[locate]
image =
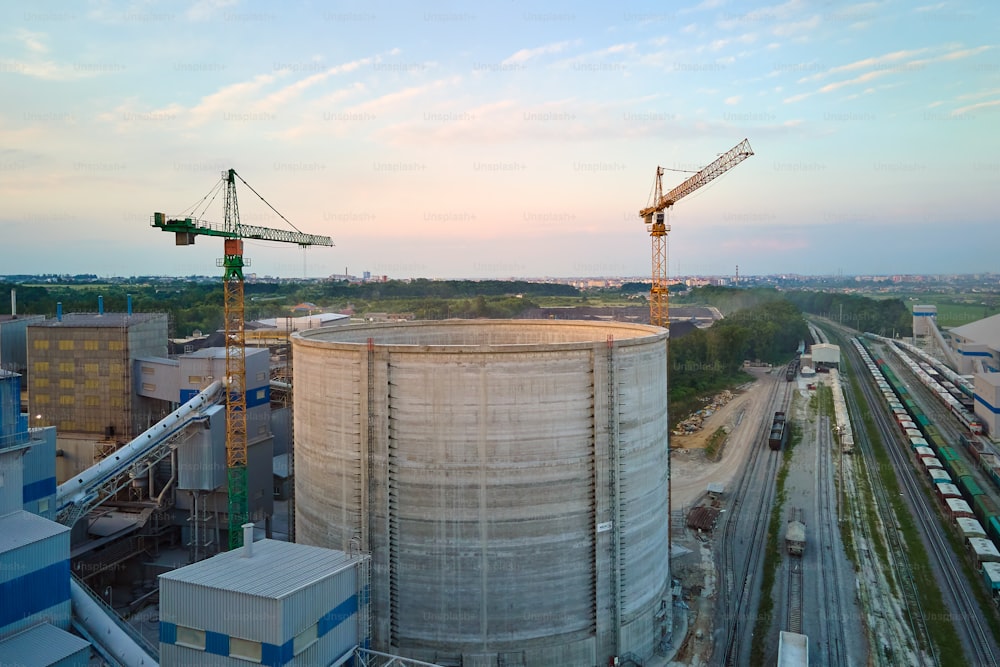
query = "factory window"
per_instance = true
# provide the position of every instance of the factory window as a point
(261, 394)
(305, 639)
(41, 383)
(146, 386)
(114, 368)
(65, 345)
(115, 384)
(41, 344)
(43, 505)
(190, 637)
(91, 383)
(66, 367)
(40, 398)
(91, 401)
(67, 400)
(262, 429)
(116, 345)
(244, 648)
(41, 367)
(90, 369)
(91, 345)
(261, 376)
(67, 383)
(194, 379)
(148, 370)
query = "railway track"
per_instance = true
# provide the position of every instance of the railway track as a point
(973, 629)
(916, 623)
(830, 577)
(744, 535)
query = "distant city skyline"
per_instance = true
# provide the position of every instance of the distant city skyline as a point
(514, 140)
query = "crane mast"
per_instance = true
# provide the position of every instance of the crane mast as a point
(655, 219)
(233, 262)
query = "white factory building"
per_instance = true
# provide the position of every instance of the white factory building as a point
(974, 349)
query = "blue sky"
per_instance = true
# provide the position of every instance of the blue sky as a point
(510, 139)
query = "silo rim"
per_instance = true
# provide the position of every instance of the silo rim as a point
(353, 336)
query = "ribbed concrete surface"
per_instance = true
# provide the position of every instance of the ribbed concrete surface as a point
(489, 450)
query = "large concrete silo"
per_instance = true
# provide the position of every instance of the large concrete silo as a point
(510, 479)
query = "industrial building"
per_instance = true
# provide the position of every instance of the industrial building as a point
(924, 320)
(978, 345)
(509, 478)
(35, 607)
(268, 602)
(824, 356)
(13, 341)
(80, 369)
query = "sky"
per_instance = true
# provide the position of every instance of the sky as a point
(506, 139)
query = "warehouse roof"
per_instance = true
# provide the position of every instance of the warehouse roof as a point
(41, 644)
(20, 528)
(984, 332)
(275, 570)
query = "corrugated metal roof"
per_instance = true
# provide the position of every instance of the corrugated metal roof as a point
(275, 570)
(20, 528)
(958, 505)
(41, 645)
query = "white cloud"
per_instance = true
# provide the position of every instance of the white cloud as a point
(203, 10)
(973, 107)
(33, 41)
(735, 99)
(524, 55)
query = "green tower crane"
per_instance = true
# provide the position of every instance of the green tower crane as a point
(186, 230)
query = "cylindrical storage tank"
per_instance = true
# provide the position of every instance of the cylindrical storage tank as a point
(510, 479)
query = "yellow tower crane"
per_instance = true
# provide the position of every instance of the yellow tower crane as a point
(233, 233)
(653, 216)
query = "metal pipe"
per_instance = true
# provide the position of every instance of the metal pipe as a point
(13, 304)
(170, 482)
(59, 311)
(80, 488)
(100, 305)
(106, 632)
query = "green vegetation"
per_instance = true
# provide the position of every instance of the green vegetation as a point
(886, 317)
(713, 450)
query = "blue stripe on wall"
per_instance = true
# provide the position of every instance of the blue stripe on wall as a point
(34, 592)
(982, 401)
(39, 489)
(975, 354)
(272, 655)
(168, 632)
(217, 643)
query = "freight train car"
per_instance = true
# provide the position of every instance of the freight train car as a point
(779, 432)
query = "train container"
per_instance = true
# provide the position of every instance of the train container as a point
(947, 454)
(793, 649)
(983, 550)
(906, 424)
(920, 441)
(939, 476)
(991, 576)
(985, 508)
(795, 538)
(993, 528)
(948, 490)
(923, 420)
(957, 469)
(913, 433)
(959, 508)
(779, 432)
(899, 411)
(993, 470)
(923, 450)
(977, 455)
(970, 487)
(970, 527)
(931, 462)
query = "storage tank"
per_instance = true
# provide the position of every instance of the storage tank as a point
(510, 479)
